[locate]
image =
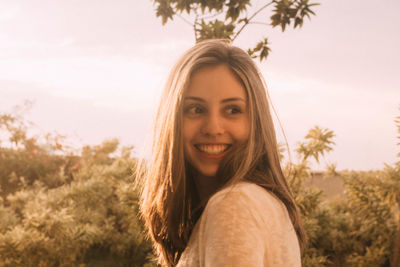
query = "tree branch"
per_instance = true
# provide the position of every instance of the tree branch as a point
(252, 16)
(260, 23)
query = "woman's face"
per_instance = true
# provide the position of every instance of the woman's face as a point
(215, 117)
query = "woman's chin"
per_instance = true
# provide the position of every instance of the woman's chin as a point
(208, 172)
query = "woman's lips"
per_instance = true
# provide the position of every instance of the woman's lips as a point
(212, 151)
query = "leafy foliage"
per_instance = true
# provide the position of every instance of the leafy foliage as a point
(261, 50)
(25, 160)
(361, 229)
(86, 216)
(227, 19)
(287, 12)
(318, 142)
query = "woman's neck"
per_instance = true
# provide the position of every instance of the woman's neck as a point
(206, 186)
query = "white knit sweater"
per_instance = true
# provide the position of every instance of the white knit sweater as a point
(243, 225)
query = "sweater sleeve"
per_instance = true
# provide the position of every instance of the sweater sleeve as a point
(233, 232)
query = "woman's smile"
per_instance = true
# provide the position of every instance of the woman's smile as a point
(213, 151)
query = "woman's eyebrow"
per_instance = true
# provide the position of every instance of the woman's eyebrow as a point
(233, 99)
(222, 101)
(195, 98)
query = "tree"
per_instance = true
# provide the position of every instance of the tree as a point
(25, 158)
(318, 142)
(228, 18)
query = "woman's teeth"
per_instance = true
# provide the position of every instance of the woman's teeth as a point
(212, 149)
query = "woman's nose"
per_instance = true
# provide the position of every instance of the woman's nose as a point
(213, 125)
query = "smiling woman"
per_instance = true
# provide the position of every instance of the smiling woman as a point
(214, 193)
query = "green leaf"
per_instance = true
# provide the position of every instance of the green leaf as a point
(214, 29)
(298, 22)
(165, 11)
(261, 50)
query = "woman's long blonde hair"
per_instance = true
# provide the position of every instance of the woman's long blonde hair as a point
(169, 197)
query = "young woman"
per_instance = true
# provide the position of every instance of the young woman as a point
(213, 192)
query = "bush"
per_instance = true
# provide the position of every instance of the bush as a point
(358, 229)
(68, 210)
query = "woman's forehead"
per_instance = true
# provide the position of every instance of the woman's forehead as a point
(215, 82)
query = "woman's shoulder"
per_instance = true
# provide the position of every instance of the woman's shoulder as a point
(252, 202)
(247, 218)
(246, 194)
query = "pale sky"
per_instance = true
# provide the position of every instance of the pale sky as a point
(95, 69)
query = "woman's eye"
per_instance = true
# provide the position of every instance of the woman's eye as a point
(234, 110)
(194, 110)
